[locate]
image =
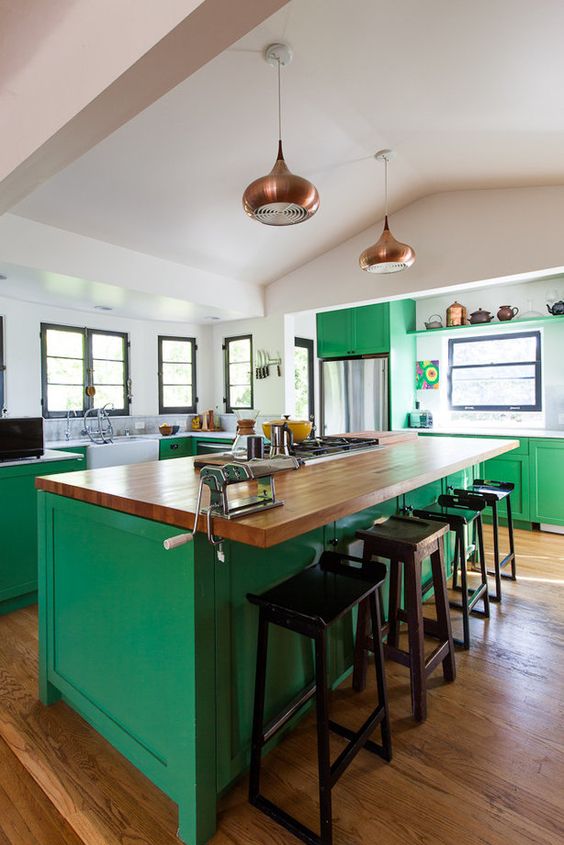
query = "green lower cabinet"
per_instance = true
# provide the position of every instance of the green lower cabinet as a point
(18, 530)
(175, 447)
(513, 468)
(547, 481)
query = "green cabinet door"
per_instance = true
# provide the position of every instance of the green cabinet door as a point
(335, 333)
(371, 329)
(18, 529)
(175, 447)
(513, 468)
(546, 474)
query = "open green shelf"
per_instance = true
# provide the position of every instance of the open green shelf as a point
(497, 324)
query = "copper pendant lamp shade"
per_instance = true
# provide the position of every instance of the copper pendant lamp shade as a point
(387, 255)
(280, 198)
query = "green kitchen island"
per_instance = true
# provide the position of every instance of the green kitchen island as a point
(155, 648)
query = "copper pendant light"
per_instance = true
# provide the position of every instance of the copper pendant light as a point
(280, 198)
(387, 255)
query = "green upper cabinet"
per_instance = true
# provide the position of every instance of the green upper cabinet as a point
(354, 331)
(547, 480)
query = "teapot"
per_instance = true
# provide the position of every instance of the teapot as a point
(506, 312)
(481, 316)
(556, 308)
(434, 322)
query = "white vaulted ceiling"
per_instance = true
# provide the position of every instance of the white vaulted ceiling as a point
(468, 94)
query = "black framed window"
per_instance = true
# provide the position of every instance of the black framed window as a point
(303, 377)
(74, 359)
(2, 367)
(177, 375)
(495, 373)
(238, 372)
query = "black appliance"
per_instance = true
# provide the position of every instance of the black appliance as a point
(21, 437)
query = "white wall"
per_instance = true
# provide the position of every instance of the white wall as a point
(268, 334)
(460, 237)
(532, 295)
(23, 354)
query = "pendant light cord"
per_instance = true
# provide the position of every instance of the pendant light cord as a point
(386, 188)
(279, 103)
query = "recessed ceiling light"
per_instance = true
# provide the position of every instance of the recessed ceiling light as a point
(209, 317)
(103, 308)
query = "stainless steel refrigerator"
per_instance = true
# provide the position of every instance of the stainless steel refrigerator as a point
(354, 395)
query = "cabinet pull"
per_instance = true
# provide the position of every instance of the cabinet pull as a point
(174, 446)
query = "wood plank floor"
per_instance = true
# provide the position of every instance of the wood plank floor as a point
(487, 768)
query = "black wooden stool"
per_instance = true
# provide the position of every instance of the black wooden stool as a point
(308, 604)
(492, 493)
(461, 509)
(407, 540)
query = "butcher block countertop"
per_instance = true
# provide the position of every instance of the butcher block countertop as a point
(314, 495)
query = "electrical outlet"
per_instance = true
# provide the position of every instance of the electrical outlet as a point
(139, 426)
(560, 419)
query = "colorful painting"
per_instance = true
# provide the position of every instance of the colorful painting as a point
(427, 375)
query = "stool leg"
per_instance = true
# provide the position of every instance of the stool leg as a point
(258, 713)
(381, 676)
(394, 603)
(511, 538)
(323, 752)
(497, 569)
(360, 654)
(454, 560)
(464, 588)
(413, 600)
(483, 567)
(442, 609)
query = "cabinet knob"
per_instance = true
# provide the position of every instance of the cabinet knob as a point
(174, 445)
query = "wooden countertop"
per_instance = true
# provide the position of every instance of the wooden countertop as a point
(314, 495)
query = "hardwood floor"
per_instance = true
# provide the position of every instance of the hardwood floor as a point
(486, 768)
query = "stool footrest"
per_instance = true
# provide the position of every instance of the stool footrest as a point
(286, 820)
(358, 739)
(282, 718)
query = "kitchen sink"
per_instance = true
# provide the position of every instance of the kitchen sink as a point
(124, 450)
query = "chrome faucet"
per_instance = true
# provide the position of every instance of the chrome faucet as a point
(104, 431)
(68, 427)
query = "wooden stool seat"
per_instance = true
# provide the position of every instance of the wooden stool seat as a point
(492, 493)
(308, 603)
(408, 541)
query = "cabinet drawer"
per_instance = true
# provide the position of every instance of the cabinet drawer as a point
(175, 447)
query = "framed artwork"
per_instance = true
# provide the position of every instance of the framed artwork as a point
(427, 375)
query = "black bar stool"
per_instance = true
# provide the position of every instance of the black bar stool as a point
(308, 604)
(493, 492)
(408, 541)
(460, 510)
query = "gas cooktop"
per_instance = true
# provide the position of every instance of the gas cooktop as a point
(325, 447)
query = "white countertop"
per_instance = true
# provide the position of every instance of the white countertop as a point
(46, 457)
(496, 432)
(85, 441)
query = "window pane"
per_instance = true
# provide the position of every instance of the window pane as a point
(511, 386)
(240, 350)
(177, 373)
(107, 346)
(177, 396)
(108, 372)
(69, 344)
(64, 398)
(240, 397)
(500, 351)
(301, 381)
(177, 350)
(65, 371)
(239, 374)
(105, 393)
